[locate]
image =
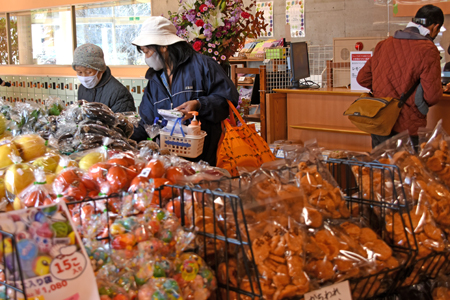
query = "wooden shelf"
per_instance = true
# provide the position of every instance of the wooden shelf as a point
(328, 128)
(245, 60)
(253, 118)
(245, 84)
(322, 91)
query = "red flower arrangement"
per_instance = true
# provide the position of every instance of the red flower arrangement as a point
(217, 28)
(197, 46)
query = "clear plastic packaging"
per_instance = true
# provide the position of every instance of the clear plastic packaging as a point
(435, 153)
(96, 111)
(7, 149)
(332, 256)
(150, 144)
(54, 106)
(418, 182)
(71, 184)
(24, 116)
(321, 192)
(30, 146)
(441, 288)
(126, 122)
(160, 288)
(17, 177)
(280, 257)
(194, 277)
(36, 194)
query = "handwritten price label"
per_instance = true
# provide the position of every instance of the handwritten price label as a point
(280, 154)
(338, 291)
(145, 172)
(68, 267)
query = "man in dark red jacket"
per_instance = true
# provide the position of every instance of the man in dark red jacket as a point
(399, 62)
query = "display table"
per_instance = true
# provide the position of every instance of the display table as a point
(318, 114)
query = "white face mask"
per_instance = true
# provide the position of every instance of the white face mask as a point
(154, 62)
(89, 82)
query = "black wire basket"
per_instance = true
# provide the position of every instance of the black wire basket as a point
(11, 283)
(416, 269)
(224, 242)
(380, 284)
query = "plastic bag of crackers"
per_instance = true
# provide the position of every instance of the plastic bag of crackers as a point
(271, 195)
(441, 288)
(418, 182)
(321, 192)
(347, 250)
(280, 258)
(435, 153)
(423, 235)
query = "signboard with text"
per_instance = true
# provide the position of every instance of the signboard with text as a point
(357, 61)
(53, 259)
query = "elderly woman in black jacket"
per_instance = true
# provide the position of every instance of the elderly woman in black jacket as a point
(97, 82)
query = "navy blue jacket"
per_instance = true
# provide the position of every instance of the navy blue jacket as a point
(199, 77)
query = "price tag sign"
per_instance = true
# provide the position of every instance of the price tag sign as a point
(241, 79)
(145, 172)
(280, 154)
(357, 62)
(54, 261)
(68, 266)
(338, 291)
(266, 61)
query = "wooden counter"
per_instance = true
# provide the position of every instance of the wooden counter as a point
(318, 114)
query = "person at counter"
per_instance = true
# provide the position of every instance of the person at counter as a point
(399, 62)
(97, 82)
(182, 79)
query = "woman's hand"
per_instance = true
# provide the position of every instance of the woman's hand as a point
(186, 107)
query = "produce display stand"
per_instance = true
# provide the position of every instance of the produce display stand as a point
(221, 197)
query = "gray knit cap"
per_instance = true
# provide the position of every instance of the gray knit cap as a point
(89, 56)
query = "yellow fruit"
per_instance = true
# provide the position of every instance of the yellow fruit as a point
(30, 146)
(49, 178)
(2, 123)
(49, 163)
(5, 151)
(5, 135)
(2, 188)
(17, 204)
(91, 159)
(18, 177)
(71, 163)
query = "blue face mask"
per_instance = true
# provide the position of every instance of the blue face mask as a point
(89, 82)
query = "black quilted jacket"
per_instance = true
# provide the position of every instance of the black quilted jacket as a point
(110, 92)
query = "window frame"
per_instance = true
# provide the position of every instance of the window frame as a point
(73, 9)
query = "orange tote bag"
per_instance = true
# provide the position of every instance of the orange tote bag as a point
(241, 146)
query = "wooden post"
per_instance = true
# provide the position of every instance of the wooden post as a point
(262, 100)
(329, 74)
(233, 74)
